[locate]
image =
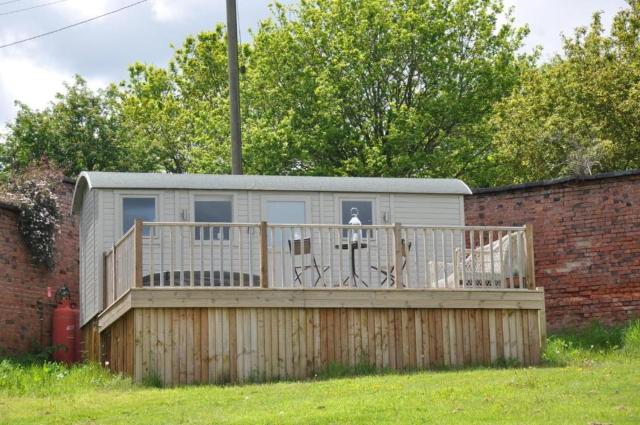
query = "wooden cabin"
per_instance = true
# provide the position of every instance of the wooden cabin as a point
(209, 278)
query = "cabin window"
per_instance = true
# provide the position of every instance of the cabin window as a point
(364, 210)
(213, 211)
(285, 212)
(138, 208)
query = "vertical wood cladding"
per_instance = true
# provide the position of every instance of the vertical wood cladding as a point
(219, 345)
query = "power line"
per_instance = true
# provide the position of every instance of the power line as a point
(44, 34)
(9, 2)
(37, 6)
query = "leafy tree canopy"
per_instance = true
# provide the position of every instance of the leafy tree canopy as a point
(435, 88)
(578, 114)
(78, 131)
(379, 88)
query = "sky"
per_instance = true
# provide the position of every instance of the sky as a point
(101, 50)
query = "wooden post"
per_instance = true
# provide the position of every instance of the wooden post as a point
(105, 302)
(137, 250)
(542, 323)
(531, 270)
(114, 280)
(264, 256)
(397, 254)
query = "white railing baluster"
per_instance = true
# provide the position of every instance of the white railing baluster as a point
(241, 256)
(519, 253)
(427, 271)
(152, 278)
(454, 269)
(162, 279)
(482, 268)
(435, 257)
(463, 260)
(472, 243)
(454, 258)
(232, 268)
(181, 256)
(201, 247)
(221, 249)
(172, 256)
(493, 269)
(510, 257)
(502, 264)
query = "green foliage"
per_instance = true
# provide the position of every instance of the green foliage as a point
(152, 380)
(177, 118)
(79, 131)
(47, 379)
(378, 88)
(631, 338)
(574, 346)
(337, 370)
(593, 388)
(578, 114)
(400, 88)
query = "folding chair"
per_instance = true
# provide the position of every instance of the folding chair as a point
(405, 248)
(303, 247)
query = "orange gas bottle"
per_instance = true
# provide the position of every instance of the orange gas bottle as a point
(64, 332)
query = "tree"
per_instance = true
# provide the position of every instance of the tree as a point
(379, 88)
(79, 131)
(177, 118)
(376, 87)
(578, 114)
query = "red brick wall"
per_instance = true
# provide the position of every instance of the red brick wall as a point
(22, 285)
(586, 243)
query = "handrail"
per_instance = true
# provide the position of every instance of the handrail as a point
(274, 255)
(341, 226)
(125, 236)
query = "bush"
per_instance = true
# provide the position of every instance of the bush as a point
(596, 341)
(33, 191)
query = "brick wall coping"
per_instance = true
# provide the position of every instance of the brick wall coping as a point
(8, 206)
(554, 182)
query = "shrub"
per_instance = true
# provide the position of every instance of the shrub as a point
(595, 341)
(39, 216)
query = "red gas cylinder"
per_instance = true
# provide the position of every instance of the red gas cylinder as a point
(65, 331)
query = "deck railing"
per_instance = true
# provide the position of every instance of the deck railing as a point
(266, 255)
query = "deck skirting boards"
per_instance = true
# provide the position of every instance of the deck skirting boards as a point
(296, 334)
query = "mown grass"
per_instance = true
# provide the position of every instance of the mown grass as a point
(590, 376)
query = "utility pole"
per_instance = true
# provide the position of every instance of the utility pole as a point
(234, 88)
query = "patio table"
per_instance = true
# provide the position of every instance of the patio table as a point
(354, 275)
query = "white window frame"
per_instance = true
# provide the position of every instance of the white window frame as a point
(285, 198)
(357, 198)
(120, 215)
(209, 196)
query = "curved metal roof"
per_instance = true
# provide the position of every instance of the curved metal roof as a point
(114, 180)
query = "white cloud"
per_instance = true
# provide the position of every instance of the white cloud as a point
(173, 11)
(81, 9)
(547, 19)
(32, 82)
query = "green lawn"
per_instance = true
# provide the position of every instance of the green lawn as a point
(590, 378)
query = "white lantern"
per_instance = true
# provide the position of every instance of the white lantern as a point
(355, 221)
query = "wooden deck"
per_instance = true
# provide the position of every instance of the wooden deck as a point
(186, 336)
(468, 298)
